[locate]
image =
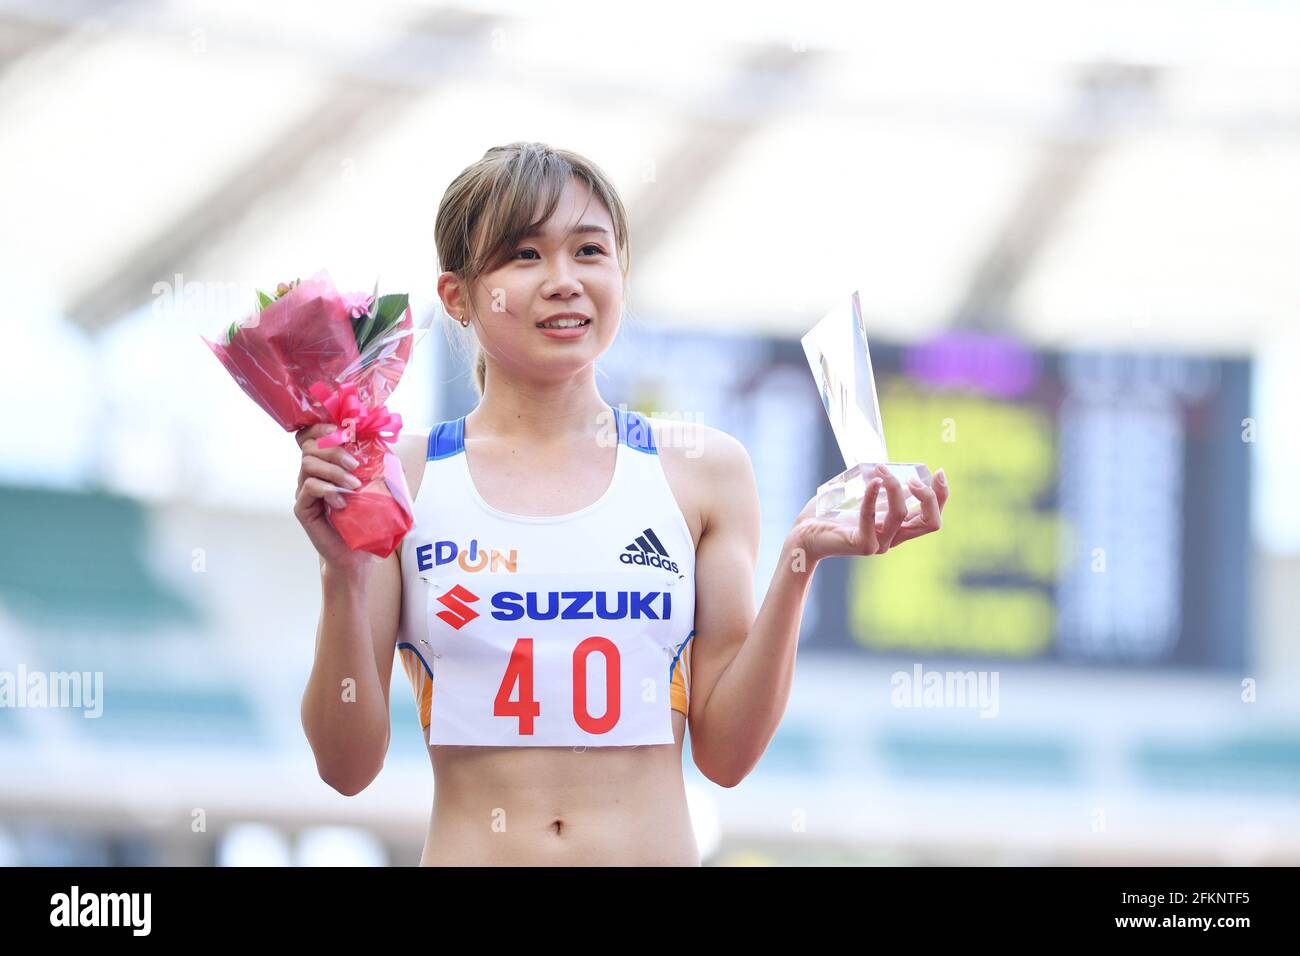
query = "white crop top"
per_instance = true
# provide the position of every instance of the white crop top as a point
(542, 631)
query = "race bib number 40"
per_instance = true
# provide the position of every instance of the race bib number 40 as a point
(546, 660)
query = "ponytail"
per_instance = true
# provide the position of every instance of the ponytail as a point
(480, 371)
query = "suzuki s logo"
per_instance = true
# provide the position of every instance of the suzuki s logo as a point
(458, 613)
(471, 559)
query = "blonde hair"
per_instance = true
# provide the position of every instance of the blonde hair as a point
(489, 206)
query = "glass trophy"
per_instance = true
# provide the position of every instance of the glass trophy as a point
(837, 354)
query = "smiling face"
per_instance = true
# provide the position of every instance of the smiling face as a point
(570, 264)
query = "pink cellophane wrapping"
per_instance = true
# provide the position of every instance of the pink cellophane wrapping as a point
(305, 338)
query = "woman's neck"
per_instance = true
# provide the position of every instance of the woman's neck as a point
(539, 413)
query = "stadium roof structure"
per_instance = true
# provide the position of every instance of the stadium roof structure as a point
(1094, 173)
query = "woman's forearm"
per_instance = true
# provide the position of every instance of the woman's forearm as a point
(344, 713)
(749, 699)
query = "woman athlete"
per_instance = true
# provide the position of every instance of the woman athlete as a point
(525, 234)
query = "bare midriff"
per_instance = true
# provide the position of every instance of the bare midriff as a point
(546, 806)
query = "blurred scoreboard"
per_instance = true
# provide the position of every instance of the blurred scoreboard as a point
(1100, 508)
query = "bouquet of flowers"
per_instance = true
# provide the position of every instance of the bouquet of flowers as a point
(308, 355)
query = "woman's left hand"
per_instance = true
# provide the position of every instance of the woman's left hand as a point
(827, 536)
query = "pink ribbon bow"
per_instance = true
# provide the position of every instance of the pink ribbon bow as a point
(355, 423)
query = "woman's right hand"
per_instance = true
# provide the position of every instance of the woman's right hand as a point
(323, 482)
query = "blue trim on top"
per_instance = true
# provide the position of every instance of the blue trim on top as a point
(446, 439)
(412, 647)
(634, 431)
(673, 666)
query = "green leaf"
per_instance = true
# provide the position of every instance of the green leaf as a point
(390, 309)
(362, 328)
(362, 325)
(263, 300)
(388, 312)
(230, 332)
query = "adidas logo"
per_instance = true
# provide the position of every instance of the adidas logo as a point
(647, 549)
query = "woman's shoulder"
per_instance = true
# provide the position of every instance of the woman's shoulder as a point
(411, 449)
(700, 462)
(701, 449)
